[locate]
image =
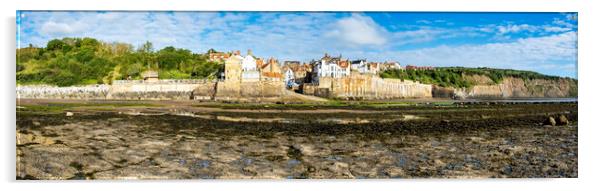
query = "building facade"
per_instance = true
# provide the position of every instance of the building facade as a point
(328, 66)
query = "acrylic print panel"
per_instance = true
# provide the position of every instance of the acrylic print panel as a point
(281, 95)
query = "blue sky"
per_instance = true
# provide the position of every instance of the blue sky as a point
(542, 42)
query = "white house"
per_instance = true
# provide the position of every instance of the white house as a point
(331, 67)
(289, 78)
(289, 75)
(249, 63)
(250, 71)
(359, 65)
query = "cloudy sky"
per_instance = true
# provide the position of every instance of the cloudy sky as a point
(542, 42)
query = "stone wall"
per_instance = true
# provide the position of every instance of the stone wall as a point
(123, 90)
(249, 91)
(366, 87)
(54, 92)
(160, 90)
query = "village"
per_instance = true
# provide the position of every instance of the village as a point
(296, 73)
(329, 76)
(252, 79)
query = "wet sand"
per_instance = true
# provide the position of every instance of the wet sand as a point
(183, 140)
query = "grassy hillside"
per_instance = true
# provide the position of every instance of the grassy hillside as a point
(457, 76)
(79, 61)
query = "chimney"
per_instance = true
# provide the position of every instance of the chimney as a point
(237, 52)
(249, 52)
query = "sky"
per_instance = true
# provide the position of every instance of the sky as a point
(541, 42)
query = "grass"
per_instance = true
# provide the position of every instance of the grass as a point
(53, 108)
(333, 104)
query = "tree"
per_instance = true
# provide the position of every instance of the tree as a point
(55, 44)
(211, 50)
(147, 50)
(74, 61)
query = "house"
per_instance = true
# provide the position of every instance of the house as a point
(289, 75)
(328, 66)
(302, 72)
(250, 72)
(390, 66)
(373, 68)
(364, 67)
(291, 62)
(259, 63)
(233, 67)
(271, 71)
(218, 56)
(358, 65)
(298, 70)
(249, 63)
(150, 76)
(410, 67)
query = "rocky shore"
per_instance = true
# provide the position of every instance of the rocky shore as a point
(126, 141)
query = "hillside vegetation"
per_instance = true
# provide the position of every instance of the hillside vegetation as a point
(459, 77)
(80, 61)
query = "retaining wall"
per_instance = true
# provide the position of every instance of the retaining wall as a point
(159, 90)
(53, 92)
(366, 87)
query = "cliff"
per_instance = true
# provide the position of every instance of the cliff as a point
(511, 87)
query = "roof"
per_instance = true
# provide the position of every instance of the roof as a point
(272, 74)
(343, 63)
(358, 61)
(328, 58)
(150, 74)
(259, 62)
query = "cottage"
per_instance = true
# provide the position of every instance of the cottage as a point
(233, 67)
(289, 75)
(291, 62)
(390, 66)
(250, 71)
(364, 67)
(150, 76)
(271, 71)
(249, 63)
(218, 56)
(373, 68)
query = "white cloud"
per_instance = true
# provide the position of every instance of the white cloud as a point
(179, 29)
(516, 28)
(303, 36)
(551, 53)
(555, 29)
(54, 28)
(359, 30)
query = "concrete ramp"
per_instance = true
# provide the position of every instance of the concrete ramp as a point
(306, 98)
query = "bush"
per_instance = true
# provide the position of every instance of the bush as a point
(75, 61)
(454, 76)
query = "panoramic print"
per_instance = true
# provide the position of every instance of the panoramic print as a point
(295, 95)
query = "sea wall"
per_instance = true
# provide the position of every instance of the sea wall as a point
(249, 90)
(367, 87)
(159, 90)
(54, 92)
(356, 87)
(120, 89)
